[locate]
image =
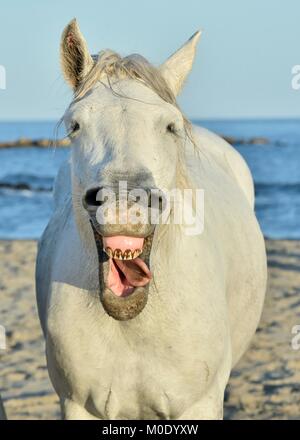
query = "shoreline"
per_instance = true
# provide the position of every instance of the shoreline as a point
(264, 385)
(65, 142)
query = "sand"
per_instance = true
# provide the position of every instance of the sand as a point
(264, 385)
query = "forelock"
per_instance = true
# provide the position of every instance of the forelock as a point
(112, 66)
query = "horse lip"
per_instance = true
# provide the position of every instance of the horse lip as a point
(126, 307)
(127, 232)
(129, 235)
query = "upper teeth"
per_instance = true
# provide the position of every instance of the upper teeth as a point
(126, 255)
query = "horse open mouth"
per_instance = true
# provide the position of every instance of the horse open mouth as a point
(126, 269)
(124, 274)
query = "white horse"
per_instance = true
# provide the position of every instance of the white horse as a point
(145, 321)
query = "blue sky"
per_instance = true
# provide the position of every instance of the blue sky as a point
(243, 65)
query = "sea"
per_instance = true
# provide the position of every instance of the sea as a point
(27, 174)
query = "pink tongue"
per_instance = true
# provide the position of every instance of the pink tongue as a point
(123, 242)
(135, 271)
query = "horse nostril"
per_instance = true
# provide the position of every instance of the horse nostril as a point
(90, 198)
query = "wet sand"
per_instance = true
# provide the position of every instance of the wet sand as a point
(264, 385)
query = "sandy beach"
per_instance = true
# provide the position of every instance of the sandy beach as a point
(264, 385)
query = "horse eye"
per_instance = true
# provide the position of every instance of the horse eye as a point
(74, 127)
(171, 128)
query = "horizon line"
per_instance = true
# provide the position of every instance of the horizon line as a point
(196, 119)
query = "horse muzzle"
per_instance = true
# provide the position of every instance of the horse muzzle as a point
(124, 242)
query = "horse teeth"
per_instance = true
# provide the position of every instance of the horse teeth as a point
(136, 253)
(118, 254)
(127, 255)
(109, 252)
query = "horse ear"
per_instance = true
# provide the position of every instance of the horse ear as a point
(76, 60)
(176, 69)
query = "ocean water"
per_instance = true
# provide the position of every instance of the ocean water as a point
(27, 174)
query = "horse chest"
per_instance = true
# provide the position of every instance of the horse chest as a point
(123, 379)
(128, 387)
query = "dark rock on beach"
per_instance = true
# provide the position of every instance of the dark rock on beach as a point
(42, 143)
(45, 143)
